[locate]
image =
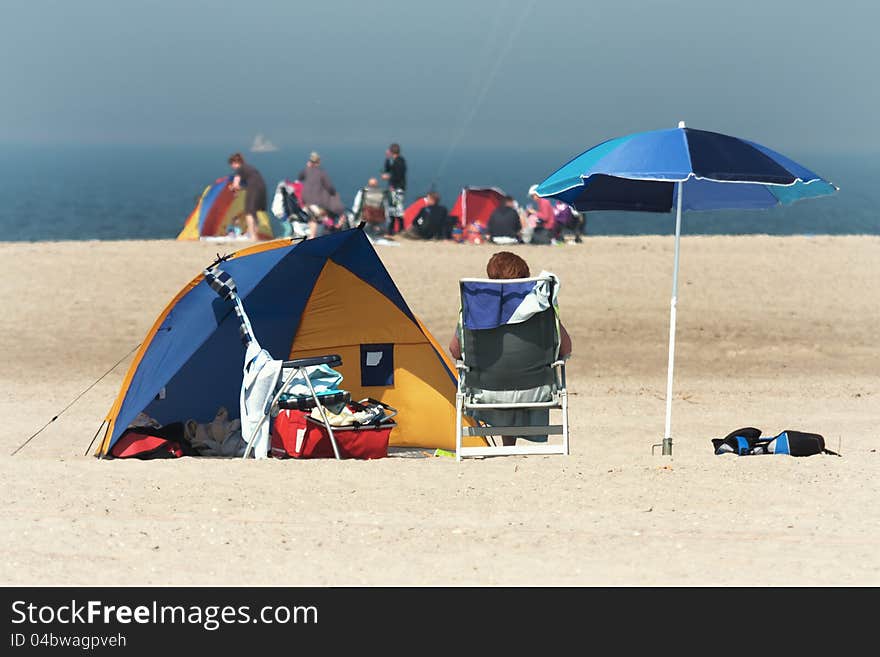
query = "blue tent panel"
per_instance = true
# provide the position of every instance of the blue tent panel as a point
(193, 320)
(211, 377)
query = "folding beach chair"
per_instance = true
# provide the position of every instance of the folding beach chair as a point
(509, 334)
(272, 385)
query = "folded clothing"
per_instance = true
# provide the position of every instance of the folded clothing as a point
(219, 437)
(348, 417)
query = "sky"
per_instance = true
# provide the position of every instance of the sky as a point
(487, 74)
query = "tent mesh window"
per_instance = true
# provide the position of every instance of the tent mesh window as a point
(377, 365)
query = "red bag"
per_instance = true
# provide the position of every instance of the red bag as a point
(295, 435)
(140, 443)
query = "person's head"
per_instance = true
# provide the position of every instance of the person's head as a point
(509, 201)
(394, 150)
(314, 159)
(432, 198)
(533, 192)
(372, 182)
(505, 264)
(236, 160)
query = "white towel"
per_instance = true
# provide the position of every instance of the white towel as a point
(538, 300)
(258, 387)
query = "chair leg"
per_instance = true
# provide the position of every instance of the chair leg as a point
(459, 404)
(323, 414)
(565, 423)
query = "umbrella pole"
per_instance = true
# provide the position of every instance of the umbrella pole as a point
(667, 436)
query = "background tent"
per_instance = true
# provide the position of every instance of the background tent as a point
(475, 204)
(412, 211)
(217, 209)
(327, 295)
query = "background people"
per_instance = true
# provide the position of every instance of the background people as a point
(432, 221)
(370, 205)
(545, 222)
(394, 172)
(248, 177)
(318, 193)
(505, 225)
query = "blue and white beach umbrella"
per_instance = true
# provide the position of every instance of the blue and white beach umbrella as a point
(685, 169)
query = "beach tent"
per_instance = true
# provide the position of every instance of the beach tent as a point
(216, 211)
(330, 295)
(475, 204)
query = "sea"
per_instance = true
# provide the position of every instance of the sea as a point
(113, 192)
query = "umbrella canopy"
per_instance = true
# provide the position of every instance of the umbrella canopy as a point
(640, 172)
(686, 169)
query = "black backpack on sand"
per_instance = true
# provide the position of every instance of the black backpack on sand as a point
(748, 441)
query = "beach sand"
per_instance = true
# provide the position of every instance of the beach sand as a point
(777, 333)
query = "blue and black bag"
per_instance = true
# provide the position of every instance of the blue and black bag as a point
(748, 441)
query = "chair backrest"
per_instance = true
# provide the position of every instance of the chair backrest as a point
(374, 197)
(292, 208)
(373, 205)
(504, 355)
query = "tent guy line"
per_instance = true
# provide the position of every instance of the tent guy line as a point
(76, 399)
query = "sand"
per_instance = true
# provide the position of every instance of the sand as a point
(773, 332)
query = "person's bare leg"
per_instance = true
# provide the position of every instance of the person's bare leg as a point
(313, 229)
(251, 233)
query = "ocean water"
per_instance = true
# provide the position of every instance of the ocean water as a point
(146, 192)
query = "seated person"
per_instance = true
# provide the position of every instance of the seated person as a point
(566, 220)
(504, 223)
(318, 221)
(432, 220)
(544, 219)
(286, 208)
(370, 206)
(507, 265)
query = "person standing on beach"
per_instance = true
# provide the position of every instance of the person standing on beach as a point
(395, 174)
(248, 177)
(318, 193)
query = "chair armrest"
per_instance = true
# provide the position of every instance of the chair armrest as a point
(331, 359)
(559, 367)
